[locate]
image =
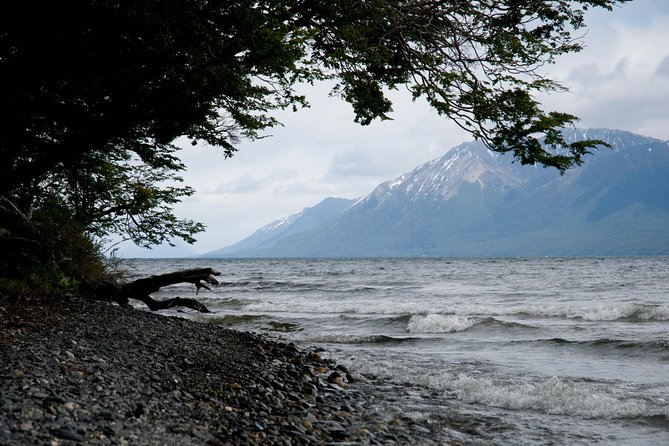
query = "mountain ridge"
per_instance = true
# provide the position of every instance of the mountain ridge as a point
(471, 201)
(297, 222)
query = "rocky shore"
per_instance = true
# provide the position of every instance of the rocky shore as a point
(79, 372)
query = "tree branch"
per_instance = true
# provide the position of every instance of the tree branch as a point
(155, 305)
(141, 289)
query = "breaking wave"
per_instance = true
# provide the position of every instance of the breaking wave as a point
(604, 313)
(448, 323)
(439, 323)
(559, 396)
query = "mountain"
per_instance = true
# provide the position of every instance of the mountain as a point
(298, 222)
(472, 202)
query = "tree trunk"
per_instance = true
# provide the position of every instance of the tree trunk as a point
(141, 289)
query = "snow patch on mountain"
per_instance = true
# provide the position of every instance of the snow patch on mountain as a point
(277, 224)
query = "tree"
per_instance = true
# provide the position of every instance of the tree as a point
(93, 94)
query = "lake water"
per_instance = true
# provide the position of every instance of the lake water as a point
(491, 351)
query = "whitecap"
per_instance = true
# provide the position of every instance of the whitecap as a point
(439, 323)
(557, 396)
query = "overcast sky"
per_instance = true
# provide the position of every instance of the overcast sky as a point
(620, 80)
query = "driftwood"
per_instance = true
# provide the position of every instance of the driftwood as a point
(141, 289)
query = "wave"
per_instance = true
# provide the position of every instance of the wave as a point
(617, 346)
(439, 323)
(230, 302)
(284, 327)
(468, 383)
(269, 285)
(445, 323)
(280, 286)
(632, 312)
(360, 339)
(230, 319)
(604, 313)
(559, 396)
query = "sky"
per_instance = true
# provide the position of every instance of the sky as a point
(619, 81)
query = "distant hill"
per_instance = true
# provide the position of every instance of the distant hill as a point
(298, 222)
(472, 202)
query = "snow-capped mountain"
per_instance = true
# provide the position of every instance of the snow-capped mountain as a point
(439, 180)
(475, 202)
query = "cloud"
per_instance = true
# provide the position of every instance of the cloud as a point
(243, 184)
(248, 183)
(360, 163)
(590, 75)
(663, 67)
(620, 80)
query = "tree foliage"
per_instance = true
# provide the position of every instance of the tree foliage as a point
(93, 94)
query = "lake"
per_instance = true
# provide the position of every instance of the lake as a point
(495, 350)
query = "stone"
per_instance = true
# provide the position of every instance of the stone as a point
(108, 431)
(35, 414)
(66, 434)
(70, 406)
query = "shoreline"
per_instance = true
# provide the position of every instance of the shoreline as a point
(79, 371)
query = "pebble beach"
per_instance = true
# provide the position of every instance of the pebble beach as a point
(74, 371)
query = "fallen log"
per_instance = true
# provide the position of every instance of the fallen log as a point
(141, 289)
